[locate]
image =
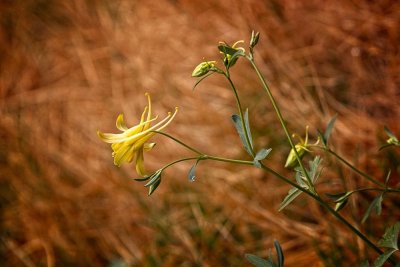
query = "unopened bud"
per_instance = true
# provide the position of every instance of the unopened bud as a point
(254, 38)
(291, 160)
(203, 68)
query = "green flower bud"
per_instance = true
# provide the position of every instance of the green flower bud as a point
(291, 160)
(203, 68)
(254, 38)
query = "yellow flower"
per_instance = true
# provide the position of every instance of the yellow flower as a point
(132, 142)
(301, 148)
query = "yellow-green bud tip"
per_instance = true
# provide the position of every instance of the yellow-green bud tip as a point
(203, 68)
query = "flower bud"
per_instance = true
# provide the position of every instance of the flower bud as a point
(254, 38)
(291, 160)
(203, 68)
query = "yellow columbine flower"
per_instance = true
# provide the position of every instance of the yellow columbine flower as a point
(132, 142)
(301, 148)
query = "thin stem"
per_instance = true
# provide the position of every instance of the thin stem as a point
(348, 164)
(179, 142)
(385, 190)
(314, 196)
(239, 106)
(235, 161)
(326, 206)
(179, 160)
(280, 117)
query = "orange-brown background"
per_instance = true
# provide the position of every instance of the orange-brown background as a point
(68, 68)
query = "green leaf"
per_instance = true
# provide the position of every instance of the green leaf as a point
(154, 186)
(389, 239)
(239, 128)
(328, 130)
(227, 50)
(315, 172)
(340, 205)
(192, 172)
(257, 261)
(376, 205)
(279, 253)
(383, 257)
(301, 180)
(234, 58)
(292, 195)
(247, 123)
(340, 196)
(142, 179)
(262, 154)
(389, 133)
(154, 178)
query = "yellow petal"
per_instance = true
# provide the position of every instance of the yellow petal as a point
(140, 163)
(148, 146)
(117, 138)
(149, 105)
(120, 123)
(123, 154)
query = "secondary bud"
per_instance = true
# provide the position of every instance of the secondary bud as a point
(203, 68)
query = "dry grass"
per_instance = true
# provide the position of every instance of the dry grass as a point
(68, 68)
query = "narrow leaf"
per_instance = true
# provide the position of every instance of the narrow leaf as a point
(340, 196)
(227, 50)
(329, 128)
(262, 154)
(389, 133)
(340, 205)
(389, 239)
(142, 179)
(247, 123)
(383, 257)
(154, 186)
(257, 261)
(153, 178)
(279, 253)
(239, 128)
(192, 172)
(292, 194)
(376, 205)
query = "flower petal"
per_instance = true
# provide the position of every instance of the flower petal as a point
(148, 146)
(123, 154)
(120, 123)
(140, 162)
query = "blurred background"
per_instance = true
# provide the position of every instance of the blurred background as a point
(68, 68)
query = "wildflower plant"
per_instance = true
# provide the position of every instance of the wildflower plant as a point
(132, 142)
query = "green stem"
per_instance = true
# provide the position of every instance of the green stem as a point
(385, 190)
(239, 106)
(180, 142)
(280, 117)
(235, 161)
(348, 164)
(177, 161)
(326, 206)
(314, 196)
